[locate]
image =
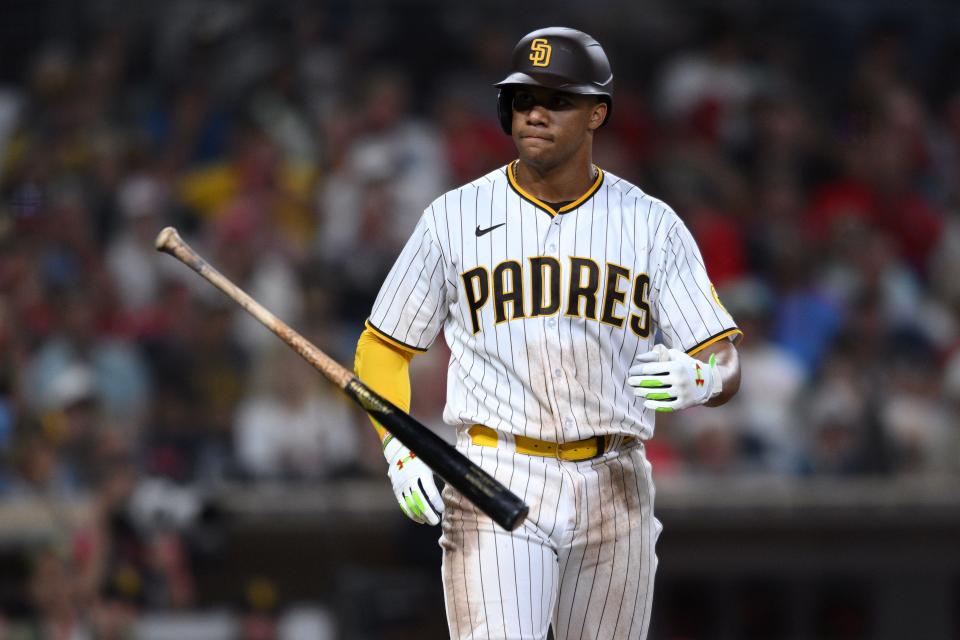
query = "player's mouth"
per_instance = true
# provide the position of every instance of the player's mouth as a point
(533, 136)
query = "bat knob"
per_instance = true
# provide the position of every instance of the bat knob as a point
(166, 238)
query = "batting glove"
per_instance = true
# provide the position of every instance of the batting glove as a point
(412, 483)
(670, 380)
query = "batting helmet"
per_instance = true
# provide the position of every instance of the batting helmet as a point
(556, 58)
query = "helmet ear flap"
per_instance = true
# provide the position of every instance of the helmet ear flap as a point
(505, 109)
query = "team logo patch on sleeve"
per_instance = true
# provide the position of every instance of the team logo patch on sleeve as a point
(540, 51)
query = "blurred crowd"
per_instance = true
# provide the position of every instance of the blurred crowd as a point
(295, 146)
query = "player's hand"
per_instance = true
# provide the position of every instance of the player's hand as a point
(413, 484)
(670, 380)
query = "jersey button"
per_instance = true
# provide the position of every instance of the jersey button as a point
(557, 372)
(552, 322)
(552, 247)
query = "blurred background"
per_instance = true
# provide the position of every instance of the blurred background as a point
(169, 469)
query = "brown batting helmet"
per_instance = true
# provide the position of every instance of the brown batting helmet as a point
(556, 58)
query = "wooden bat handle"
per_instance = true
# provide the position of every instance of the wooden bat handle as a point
(169, 241)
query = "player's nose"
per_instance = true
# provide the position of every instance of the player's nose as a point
(538, 115)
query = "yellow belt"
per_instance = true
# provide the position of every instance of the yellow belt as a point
(577, 450)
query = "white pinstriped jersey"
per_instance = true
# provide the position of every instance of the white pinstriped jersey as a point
(544, 312)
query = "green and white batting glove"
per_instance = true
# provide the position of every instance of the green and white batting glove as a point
(412, 483)
(670, 380)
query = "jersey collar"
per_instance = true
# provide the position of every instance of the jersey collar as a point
(511, 177)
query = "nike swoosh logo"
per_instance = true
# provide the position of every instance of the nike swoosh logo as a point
(481, 232)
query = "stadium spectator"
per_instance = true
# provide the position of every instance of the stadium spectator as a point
(293, 425)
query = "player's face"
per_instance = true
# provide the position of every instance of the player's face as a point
(550, 126)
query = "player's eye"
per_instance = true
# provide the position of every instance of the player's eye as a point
(523, 101)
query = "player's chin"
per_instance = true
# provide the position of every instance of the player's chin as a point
(536, 150)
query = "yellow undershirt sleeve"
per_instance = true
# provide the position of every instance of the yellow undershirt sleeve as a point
(385, 368)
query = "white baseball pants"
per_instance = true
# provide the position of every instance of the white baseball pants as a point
(583, 561)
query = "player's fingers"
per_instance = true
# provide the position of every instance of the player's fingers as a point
(660, 406)
(405, 504)
(427, 513)
(419, 506)
(654, 396)
(402, 501)
(648, 382)
(649, 369)
(415, 513)
(431, 517)
(650, 388)
(434, 502)
(657, 396)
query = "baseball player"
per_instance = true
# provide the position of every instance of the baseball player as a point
(576, 307)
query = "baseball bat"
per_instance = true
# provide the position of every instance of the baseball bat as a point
(491, 497)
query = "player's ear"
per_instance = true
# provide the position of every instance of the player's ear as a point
(597, 115)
